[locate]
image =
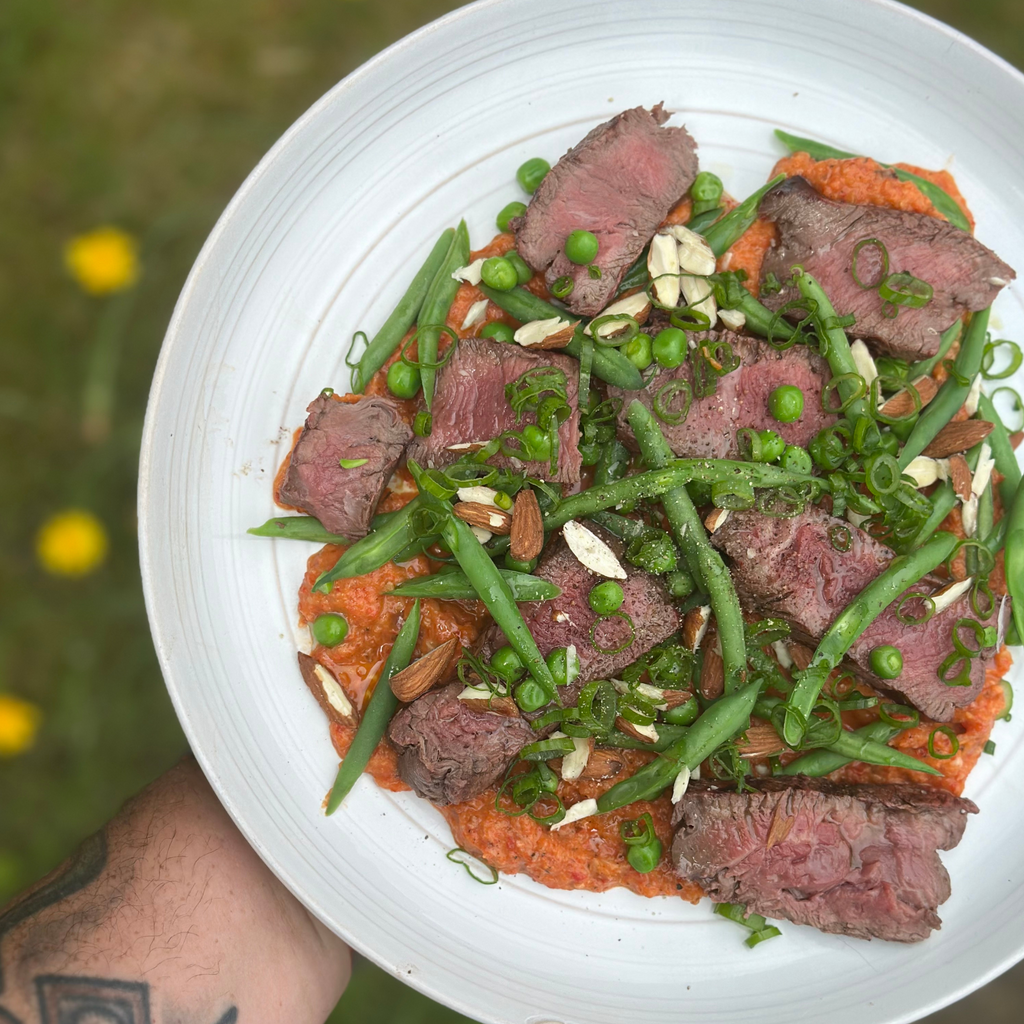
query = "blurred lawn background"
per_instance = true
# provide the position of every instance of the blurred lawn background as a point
(148, 115)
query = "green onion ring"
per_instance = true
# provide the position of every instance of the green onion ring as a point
(880, 246)
(621, 647)
(888, 712)
(665, 395)
(954, 743)
(988, 358)
(907, 618)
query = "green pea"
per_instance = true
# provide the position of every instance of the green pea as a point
(706, 187)
(581, 247)
(530, 695)
(329, 629)
(532, 173)
(516, 566)
(772, 446)
(679, 584)
(606, 597)
(796, 459)
(498, 331)
(513, 209)
(498, 273)
(507, 664)
(786, 403)
(403, 380)
(644, 858)
(523, 269)
(537, 443)
(670, 347)
(638, 351)
(684, 714)
(886, 661)
(558, 664)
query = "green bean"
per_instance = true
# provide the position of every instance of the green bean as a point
(495, 593)
(404, 316)
(902, 572)
(395, 537)
(667, 735)
(724, 233)
(1002, 451)
(620, 526)
(939, 197)
(868, 744)
(952, 394)
(1014, 557)
(724, 719)
(700, 222)
(925, 367)
(704, 561)
(455, 586)
(297, 528)
(636, 276)
(434, 311)
(609, 365)
(731, 294)
(943, 500)
(378, 712)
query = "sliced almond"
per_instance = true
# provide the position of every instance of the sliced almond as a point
(578, 811)
(663, 266)
(695, 255)
(712, 674)
(676, 698)
(426, 673)
(467, 446)
(481, 533)
(734, 319)
(638, 306)
(504, 706)
(574, 763)
(527, 533)
(471, 274)
(695, 625)
(973, 396)
(950, 594)
(760, 740)
(487, 517)
(591, 551)
(716, 519)
(481, 495)
(923, 471)
(328, 691)
(960, 476)
(642, 733)
(969, 515)
(958, 437)
(983, 472)
(545, 334)
(682, 783)
(902, 403)
(863, 361)
(800, 654)
(475, 314)
(700, 296)
(603, 763)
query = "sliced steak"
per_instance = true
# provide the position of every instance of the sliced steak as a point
(569, 619)
(820, 234)
(856, 860)
(741, 400)
(619, 182)
(470, 405)
(449, 752)
(344, 500)
(790, 568)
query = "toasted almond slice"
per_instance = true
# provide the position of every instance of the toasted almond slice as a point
(578, 811)
(695, 625)
(782, 654)
(545, 334)
(695, 255)
(983, 472)
(592, 552)
(958, 437)
(800, 653)
(638, 306)
(479, 495)
(475, 693)
(487, 517)
(642, 733)
(950, 594)
(328, 691)
(470, 274)
(425, 673)
(574, 763)
(527, 533)
(481, 533)
(467, 446)
(734, 319)
(663, 266)
(700, 296)
(603, 763)
(676, 698)
(681, 784)
(923, 471)
(475, 314)
(973, 396)
(969, 515)
(960, 476)
(504, 706)
(712, 674)
(760, 740)
(863, 361)
(902, 403)
(716, 518)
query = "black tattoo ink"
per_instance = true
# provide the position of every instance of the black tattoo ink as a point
(85, 866)
(8, 1018)
(64, 1000)
(231, 1017)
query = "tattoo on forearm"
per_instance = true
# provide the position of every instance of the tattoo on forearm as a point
(85, 866)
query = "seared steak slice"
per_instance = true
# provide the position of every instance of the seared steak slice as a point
(856, 860)
(344, 500)
(470, 405)
(449, 752)
(569, 619)
(619, 183)
(741, 400)
(820, 234)
(790, 568)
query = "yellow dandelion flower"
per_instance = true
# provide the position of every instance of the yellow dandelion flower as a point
(71, 543)
(103, 261)
(19, 723)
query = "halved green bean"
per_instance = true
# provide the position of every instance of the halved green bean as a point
(435, 308)
(1002, 451)
(724, 719)
(609, 365)
(868, 744)
(939, 197)
(704, 561)
(940, 410)
(943, 501)
(521, 304)
(902, 572)
(725, 232)
(1014, 557)
(297, 528)
(455, 586)
(404, 316)
(378, 712)
(925, 367)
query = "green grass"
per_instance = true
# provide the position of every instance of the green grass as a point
(146, 114)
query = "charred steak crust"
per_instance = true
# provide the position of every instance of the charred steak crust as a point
(820, 235)
(620, 183)
(741, 399)
(344, 500)
(447, 751)
(789, 567)
(857, 860)
(470, 406)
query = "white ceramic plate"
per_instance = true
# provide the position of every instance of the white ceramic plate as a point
(320, 241)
